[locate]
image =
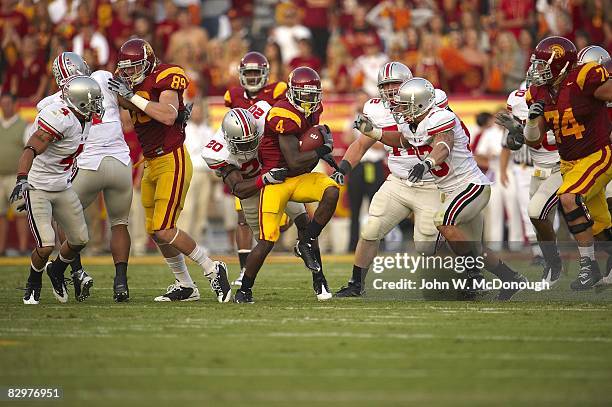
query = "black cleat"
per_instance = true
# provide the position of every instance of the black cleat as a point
(588, 276)
(506, 294)
(321, 289)
(220, 283)
(179, 292)
(82, 284)
(32, 293)
(121, 292)
(60, 291)
(351, 290)
(305, 252)
(552, 274)
(474, 285)
(244, 296)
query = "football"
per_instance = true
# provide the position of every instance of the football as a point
(312, 138)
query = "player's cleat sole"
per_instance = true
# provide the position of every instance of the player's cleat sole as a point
(588, 275)
(32, 294)
(505, 294)
(58, 284)
(304, 251)
(178, 292)
(244, 297)
(350, 290)
(219, 284)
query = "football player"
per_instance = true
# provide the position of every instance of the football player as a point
(254, 71)
(44, 175)
(153, 92)
(443, 146)
(545, 180)
(288, 119)
(570, 100)
(397, 198)
(104, 166)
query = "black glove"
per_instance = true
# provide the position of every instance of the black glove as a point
(275, 176)
(18, 193)
(418, 171)
(118, 85)
(536, 110)
(184, 115)
(328, 142)
(515, 138)
(338, 177)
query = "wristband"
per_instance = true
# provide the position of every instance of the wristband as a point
(139, 102)
(431, 161)
(31, 148)
(22, 176)
(259, 182)
(345, 167)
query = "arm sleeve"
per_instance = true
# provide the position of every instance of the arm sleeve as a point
(440, 121)
(591, 76)
(51, 120)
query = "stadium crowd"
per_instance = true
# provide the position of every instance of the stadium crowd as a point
(470, 47)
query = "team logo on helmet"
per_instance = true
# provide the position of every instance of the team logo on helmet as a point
(557, 50)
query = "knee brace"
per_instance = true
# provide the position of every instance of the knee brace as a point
(579, 212)
(371, 230)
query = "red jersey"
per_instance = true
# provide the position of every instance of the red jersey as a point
(156, 138)
(580, 121)
(236, 96)
(283, 120)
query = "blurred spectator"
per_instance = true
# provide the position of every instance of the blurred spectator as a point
(27, 78)
(317, 20)
(212, 11)
(288, 30)
(597, 18)
(305, 57)
(357, 32)
(465, 62)
(121, 26)
(194, 218)
(89, 39)
(12, 134)
(429, 65)
(214, 74)
(143, 28)
(514, 15)
(365, 68)
(274, 56)
(338, 78)
(189, 39)
(507, 69)
(555, 16)
(165, 28)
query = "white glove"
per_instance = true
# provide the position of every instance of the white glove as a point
(364, 124)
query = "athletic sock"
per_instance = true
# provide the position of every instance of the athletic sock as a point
(35, 275)
(536, 250)
(179, 268)
(313, 230)
(550, 252)
(247, 283)
(121, 268)
(242, 256)
(587, 251)
(75, 264)
(357, 275)
(503, 272)
(199, 256)
(60, 264)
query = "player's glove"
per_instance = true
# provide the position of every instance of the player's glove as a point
(536, 110)
(515, 138)
(184, 115)
(118, 85)
(338, 177)
(365, 125)
(18, 193)
(328, 142)
(418, 171)
(275, 176)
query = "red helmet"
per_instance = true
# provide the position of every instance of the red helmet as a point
(304, 90)
(552, 57)
(254, 71)
(136, 60)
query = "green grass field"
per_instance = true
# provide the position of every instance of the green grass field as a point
(289, 349)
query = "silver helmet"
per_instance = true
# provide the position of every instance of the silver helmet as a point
(593, 53)
(84, 95)
(414, 98)
(240, 131)
(391, 72)
(68, 64)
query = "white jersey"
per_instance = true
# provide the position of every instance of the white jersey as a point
(459, 168)
(217, 155)
(53, 169)
(545, 155)
(106, 135)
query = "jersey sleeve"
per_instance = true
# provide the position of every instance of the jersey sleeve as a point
(283, 121)
(56, 97)
(279, 90)
(259, 111)
(215, 152)
(375, 110)
(517, 105)
(441, 99)
(52, 120)
(591, 76)
(440, 121)
(171, 78)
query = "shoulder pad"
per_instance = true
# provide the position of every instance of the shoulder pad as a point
(52, 119)
(171, 78)
(439, 121)
(283, 120)
(592, 74)
(279, 90)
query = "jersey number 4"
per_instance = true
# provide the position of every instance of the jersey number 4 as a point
(564, 124)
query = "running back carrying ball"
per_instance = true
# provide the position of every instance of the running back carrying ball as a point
(312, 138)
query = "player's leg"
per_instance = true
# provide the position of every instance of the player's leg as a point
(118, 200)
(523, 176)
(542, 208)
(68, 213)
(40, 221)
(172, 174)
(244, 240)
(582, 182)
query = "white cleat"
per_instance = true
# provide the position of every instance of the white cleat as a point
(321, 289)
(219, 283)
(179, 292)
(238, 281)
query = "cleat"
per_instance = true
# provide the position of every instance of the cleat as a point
(475, 280)
(82, 284)
(506, 294)
(238, 281)
(551, 275)
(321, 289)
(244, 297)
(588, 276)
(121, 292)
(607, 276)
(32, 294)
(351, 290)
(58, 284)
(304, 251)
(179, 292)
(220, 283)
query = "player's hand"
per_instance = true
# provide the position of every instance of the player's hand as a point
(18, 193)
(365, 125)
(515, 138)
(275, 176)
(418, 170)
(536, 110)
(184, 115)
(328, 142)
(338, 177)
(118, 85)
